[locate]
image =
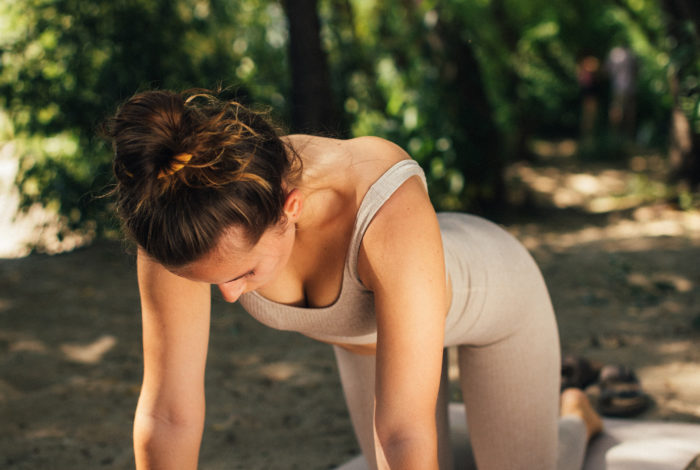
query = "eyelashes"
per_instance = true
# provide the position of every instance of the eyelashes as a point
(242, 276)
(247, 275)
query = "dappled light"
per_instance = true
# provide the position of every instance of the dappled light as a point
(280, 371)
(599, 190)
(30, 345)
(660, 281)
(515, 109)
(38, 227)
(676, 224)
(676, 382)
(620, 260)
(629, 198)
(90, 353)
(564, 148)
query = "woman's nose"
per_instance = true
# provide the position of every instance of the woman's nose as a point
(232, 292)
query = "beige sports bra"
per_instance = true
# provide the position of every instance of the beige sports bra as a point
(351, 318)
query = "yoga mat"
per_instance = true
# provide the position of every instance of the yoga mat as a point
(625, 444)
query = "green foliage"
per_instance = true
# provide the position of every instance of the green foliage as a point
(66, 64)
(460, 84)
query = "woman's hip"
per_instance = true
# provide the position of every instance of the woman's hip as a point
(497, 286)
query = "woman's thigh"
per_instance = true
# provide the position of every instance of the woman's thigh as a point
(511, 393)
(508, 348)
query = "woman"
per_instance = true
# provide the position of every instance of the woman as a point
(337, 240)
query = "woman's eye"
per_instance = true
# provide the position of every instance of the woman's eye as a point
(242, 276)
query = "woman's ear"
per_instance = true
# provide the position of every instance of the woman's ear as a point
(293, 205)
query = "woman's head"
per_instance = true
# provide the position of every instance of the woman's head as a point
(188, 166)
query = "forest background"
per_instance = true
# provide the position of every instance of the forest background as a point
(464, 86)
(510, 107)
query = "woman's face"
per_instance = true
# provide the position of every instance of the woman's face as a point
(236, 267)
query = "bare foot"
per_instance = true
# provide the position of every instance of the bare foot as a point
(574, 402)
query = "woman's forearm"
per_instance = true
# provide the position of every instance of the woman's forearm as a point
(159, 444)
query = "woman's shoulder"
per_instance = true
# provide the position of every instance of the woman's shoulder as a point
(379, 148)
(363, 147)
(351, 165)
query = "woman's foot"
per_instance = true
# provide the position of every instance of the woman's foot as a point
(574, 402)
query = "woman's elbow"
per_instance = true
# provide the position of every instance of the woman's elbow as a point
(164, 443)
(149, 424)
(409, 447)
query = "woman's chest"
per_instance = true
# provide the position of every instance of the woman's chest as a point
(314, 274)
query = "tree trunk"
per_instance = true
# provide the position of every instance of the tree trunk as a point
(684, 142)
(522, 123)
(313, 106)
(684, 145)
(481, 153)
(463, 101)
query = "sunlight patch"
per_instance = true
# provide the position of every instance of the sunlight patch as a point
(90, 353)
(30, 345)
(279, 371)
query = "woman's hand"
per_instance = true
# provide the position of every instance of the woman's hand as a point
(170, 413)
(401, 261)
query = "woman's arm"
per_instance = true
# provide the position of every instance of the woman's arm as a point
(401, 260)
(170, 413)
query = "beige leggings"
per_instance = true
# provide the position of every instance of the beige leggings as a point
(509, 364)
(500, 442)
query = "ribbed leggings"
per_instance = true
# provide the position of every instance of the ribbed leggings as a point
(500, 442)
(509, 364)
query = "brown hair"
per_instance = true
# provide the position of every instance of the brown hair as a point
(189, 165)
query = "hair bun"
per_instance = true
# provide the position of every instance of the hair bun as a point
(189, 166)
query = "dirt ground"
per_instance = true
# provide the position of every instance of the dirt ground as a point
(623, 273)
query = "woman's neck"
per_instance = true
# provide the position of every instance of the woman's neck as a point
(325, 180)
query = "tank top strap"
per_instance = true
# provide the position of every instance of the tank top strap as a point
(380, 191)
